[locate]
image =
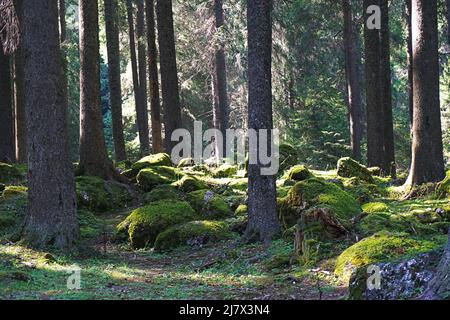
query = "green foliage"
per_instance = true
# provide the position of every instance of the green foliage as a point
(8, 173)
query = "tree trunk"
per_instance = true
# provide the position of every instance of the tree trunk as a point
(141, 114)
(51, 218)
(6, 110)
(115, 98)
(448, 22)
(169, 75)
(386, 92)
(263, 221)
(375, 127)
(353, 84)
(93, 156)
(427, 149)
(21, 127)
(157, 142)
(142, 67)
(439, 287)
(221, 112)
(410, 62)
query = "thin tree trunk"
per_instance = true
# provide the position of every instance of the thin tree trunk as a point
(263, 221)
(157, 142)
(448, 21)
(140, 112)
(410, 62)
(427, 149)
(93, 156)
(142, 67)
(115, 99)
(63, 39)
(386, 92)
(21, 127)
(375, 127)
(6, 110)
(169, 74)
(51, 218)
(353, 84)
(221, 114)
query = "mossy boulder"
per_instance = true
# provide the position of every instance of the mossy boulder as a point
(225, 171)
(349, 168)
(299, 173)
(186, 162)
(362, 191)
(242, 210)
(189, 184)
(96, 194)
(163, 192)
(375, 171)
(149, 178)
(154, 160)
(209, 205)
(373, 207)
(9, 173)
(443, 189)
(194, 233)
(14, 191)
(382, 247)
(317, 194)
(143, 225)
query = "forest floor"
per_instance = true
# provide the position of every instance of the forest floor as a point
(227, 270)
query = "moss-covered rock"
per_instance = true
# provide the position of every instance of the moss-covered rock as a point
(154, 160)
(195, 233)
(375, 171)
(14, 191)
(8, 173)
(186, 162)
(189, 184)
(373, 207)
(317, 194)
(362, 191)
(443, 189)
(225, 171)
(144, 224)
(162, 192)
(209, 205)
(242, 210)
(381, 247)
(149, 178)
(299, 173)
(349, 168)
(98, 195)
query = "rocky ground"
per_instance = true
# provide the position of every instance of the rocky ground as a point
(176, 234)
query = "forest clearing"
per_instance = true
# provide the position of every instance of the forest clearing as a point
(227, 150)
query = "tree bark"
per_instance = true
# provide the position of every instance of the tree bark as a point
(51, 216)
(169, 74)
(448, 21)
(353, 84)
(221, 110)
(386, 92)
(142, 67)
(6, 110)
(410, 62)
(141, 114)
(93, 156)
(155, 103)
(427, 149)
(263, 221)
(375, 127)
(115, 98)
(21, 127)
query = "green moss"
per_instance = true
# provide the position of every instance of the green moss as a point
(96, 194)
(373, 207)
(14, 191)
(375, 171)
(240, 184)
(443, 189)
(314, 193)
(9, 173)
(208, 204)
(383, 246)
(349, 168)
(189, 184)
(149, 178)
(242, 210)
(299, 173)
(90, 225)
(144, 224)
(160, 159)
(195, 233)
(186, 162)
(362, 191)
(225, 171)
(162, 192)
